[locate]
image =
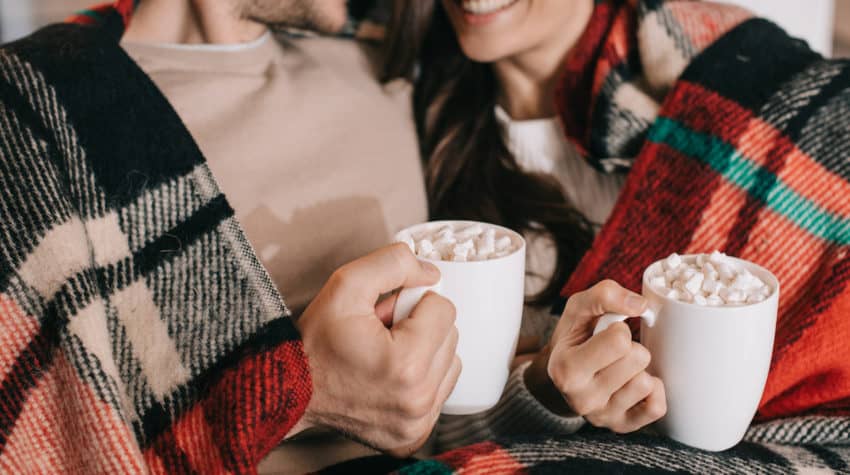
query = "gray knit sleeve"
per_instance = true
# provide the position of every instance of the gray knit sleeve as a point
(518, 412)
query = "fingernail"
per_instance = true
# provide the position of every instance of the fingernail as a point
(430, 268)
(635, 303)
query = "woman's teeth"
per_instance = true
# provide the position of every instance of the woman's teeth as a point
(483, 7)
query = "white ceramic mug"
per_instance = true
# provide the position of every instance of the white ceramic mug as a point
(713, 361)
(488, 296)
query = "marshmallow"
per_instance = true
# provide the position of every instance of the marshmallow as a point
(672, 262)
(474, 242)
(424, 247)
(658, 282)
(503, 243)
(694, 283)
(708, 280)
(716, 258)
(409, 241)
(470, 232)
(711, 285)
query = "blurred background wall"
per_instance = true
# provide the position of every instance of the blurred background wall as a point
(825, 24)
(813, 20)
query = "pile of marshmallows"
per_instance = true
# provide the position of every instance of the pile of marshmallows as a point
(711, 279)
(472, 242)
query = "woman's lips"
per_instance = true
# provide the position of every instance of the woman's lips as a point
(482, 11)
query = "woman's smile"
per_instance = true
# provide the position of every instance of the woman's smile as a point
(477, 12)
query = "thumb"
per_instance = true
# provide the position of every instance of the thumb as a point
(584, 308)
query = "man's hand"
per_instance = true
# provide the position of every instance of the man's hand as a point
(602, 377)
(382, 386)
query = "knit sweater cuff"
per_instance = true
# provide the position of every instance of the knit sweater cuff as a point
(517, 413)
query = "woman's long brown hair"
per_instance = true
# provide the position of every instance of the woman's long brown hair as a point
(470, 173)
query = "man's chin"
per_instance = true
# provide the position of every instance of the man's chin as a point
(333, 18)
(321, 16)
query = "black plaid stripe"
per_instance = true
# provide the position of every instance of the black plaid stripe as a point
(184, 258)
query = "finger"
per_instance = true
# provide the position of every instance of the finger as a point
(622, 372)
(650, 409)
(447, 385)
(630, 394)
(382, 271)
(604, 349)
(442, 360)
(385, 308)
(427, 327)
(605, 297)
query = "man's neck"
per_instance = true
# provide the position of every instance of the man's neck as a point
(191, 22)
(527, 81)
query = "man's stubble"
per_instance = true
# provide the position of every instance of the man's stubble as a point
(324, 16)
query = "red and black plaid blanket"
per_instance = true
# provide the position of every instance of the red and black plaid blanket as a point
(138, 332)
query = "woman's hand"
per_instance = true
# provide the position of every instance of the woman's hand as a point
(602, 378)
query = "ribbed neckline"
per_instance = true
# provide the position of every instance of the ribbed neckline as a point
(535, 143)
(245, 58)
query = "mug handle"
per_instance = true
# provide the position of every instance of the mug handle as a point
(609, 319)
(408, 298)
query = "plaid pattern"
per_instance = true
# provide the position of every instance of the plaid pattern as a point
(138, 331)
(740, 137)
(747, 153)
(637, 453)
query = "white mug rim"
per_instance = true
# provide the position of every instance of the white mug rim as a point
(511, 232)
(749, 265)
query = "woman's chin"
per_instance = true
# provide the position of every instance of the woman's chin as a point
(483, 52)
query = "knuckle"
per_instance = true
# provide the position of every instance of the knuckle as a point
(621, 339)
(644, 384)
(564, 376)
(584, 404)
(416, 405)
(656, 409)
(340, 276)
(401, 253)
(641, 355)
(568, 383)
(407, 433)
(408, 373)
(447, 308)
(607, 288)
(574, 299)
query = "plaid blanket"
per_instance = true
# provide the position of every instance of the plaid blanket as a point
(735, 137)
(138, 331)
(741, 136)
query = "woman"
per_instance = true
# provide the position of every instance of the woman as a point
(530, 114)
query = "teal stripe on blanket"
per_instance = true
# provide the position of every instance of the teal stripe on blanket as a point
(756, 180)
(430, 467)
(91, 14)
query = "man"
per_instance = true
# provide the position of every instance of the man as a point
(139, 330)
